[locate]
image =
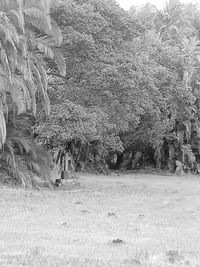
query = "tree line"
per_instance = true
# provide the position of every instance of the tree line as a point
(115, 88)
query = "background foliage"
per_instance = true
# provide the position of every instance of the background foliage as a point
(123, 85)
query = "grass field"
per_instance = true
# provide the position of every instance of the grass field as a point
(126, 220)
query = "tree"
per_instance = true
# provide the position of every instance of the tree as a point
(131, 86)
(146, 15)
(29, 39)
(27, 35)
(115, 76)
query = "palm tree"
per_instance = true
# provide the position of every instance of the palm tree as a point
(146, 15)
(27, 37)
(177, 21)
(22, 159)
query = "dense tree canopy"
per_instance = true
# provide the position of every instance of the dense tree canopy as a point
(123, 83)
(140, 71)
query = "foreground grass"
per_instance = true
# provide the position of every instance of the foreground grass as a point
(156, 220)
(36, 257)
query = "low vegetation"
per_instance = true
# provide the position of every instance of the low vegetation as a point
(117, 221)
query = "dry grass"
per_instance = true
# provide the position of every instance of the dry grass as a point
(156, 217)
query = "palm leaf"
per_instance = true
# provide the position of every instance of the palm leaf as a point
(3, 82)
(3, 4)
(5, 63)
(12, 56)
(34, 167)
(60, 62)
(56, 32)
(43, 5)
(31, 88)
(17, 18)
(38, 81)
(38, 19)
(23, 45)
(8, 154)
(190, 45)
(44, 76)
(17, 94)
(23, 143)
(2, 129)
(31, 85)
(27, 97)
(43, 45)
(8, 30)
(8, 159)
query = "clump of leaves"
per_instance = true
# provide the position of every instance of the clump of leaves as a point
(22, 158)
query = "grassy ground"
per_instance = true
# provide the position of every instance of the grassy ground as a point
(126, 220)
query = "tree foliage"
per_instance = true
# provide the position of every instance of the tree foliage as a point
(29, 38)
(123, 85)
(26, 38)
(137, 71)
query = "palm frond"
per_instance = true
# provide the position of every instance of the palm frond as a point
(43, 45)
(190, 45)
(37, 75)
(17, 94)
(3, 4)
(3, 82)
(12, 53)
(28, 87)
(5, 64)
(8, 154)
(38, 19)
(22, 143)
(34, 167)
(8, 30)
(43, 5)
(27, 96)
(23, 45)
(38, 81)
(60, 62)
(2, 129)
(3, 89)
(56, 32)
(44, 76)
(31, 88)
(22, 66)
(17, 18)
(8, 159)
